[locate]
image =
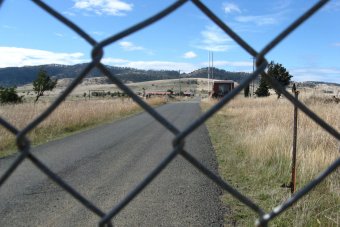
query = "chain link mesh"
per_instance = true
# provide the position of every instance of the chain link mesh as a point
(23, 143)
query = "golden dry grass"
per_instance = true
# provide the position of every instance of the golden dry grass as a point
(70, 116)
(253, 142)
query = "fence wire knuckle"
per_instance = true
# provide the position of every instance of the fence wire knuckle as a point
(97, 53)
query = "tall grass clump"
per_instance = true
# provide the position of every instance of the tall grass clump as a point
(69, 117)
(253, 143)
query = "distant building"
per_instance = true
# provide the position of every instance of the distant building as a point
(221, 87)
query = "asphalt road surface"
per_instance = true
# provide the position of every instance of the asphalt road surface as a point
(107, 162)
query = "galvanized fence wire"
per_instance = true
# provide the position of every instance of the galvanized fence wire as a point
(23, 143)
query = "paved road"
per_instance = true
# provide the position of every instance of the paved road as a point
(104, 164)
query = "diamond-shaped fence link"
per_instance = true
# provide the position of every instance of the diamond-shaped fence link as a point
(264, 218)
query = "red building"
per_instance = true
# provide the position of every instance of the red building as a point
(221, 87)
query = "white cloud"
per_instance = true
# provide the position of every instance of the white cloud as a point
(280, 4)
(232, 63)
(258, 20)
(242, 66)
(108, 7)
(67, 13)
(279, 11)
(231, 7)
(129, 46)
(190, 54)
(337, 44)
(114, 61)
(214, 35)
(98, 33)
(8, 26)
(14, 56)
(316, 74)
(59, 34)
(214, 39)
(332, 6)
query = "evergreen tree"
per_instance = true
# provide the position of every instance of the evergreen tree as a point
(280, 73)
(263, 89)
(246, 91)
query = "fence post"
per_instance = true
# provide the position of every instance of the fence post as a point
(293, 181)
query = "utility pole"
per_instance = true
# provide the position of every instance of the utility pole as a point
(189, 84)
(208, 72)
(212, 65)
(253, 72)
(293, 181)
(179, 80)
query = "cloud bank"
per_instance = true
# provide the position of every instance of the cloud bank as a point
(106, 7)
(14, 57)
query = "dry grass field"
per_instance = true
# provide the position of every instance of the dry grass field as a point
(69, 117)
(100, 83)
(253, 142)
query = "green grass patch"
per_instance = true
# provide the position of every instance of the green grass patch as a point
(260, 177)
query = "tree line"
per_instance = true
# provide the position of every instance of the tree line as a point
(276, 71)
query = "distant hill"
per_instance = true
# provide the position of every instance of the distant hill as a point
(219, 74)
(17, 76)
(315, 83)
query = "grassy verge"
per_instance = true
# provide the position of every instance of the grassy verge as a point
(69, 117)
(252, 139)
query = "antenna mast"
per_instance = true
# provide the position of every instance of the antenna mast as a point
(208, 72)
(212, 64)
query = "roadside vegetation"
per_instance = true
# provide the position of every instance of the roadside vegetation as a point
(9, 95)
(70, 116)
(253, 141)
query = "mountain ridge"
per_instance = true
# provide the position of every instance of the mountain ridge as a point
(17, 76)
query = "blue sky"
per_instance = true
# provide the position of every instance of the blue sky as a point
(181, 41)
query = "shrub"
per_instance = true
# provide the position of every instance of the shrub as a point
(9, 95)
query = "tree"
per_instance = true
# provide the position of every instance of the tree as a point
(9, 95)
(43, 83)
(280, 73)
(263, 89)
(246, 91)
(171, 91)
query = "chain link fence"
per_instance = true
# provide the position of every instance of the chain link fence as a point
(23, 143)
